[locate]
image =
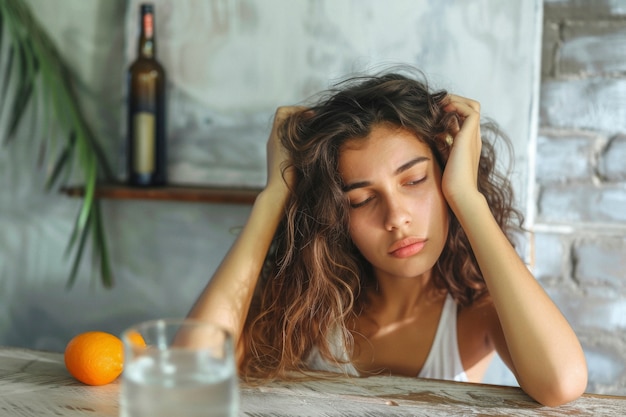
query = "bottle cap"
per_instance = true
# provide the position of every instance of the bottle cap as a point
(147, 8)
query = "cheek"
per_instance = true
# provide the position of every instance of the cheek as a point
(360, 233)
(432, 216)
(442, 217)
(355, 230)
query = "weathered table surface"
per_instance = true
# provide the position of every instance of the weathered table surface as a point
(35, 383)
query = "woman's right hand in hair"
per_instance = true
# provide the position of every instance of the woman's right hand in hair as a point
(228, 294)
(280, 175)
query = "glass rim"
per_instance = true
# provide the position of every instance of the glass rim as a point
(172, 322)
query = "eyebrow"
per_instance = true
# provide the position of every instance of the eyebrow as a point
(398, 171)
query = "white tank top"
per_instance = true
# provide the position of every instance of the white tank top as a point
(443, 361)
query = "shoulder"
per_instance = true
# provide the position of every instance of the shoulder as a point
(475, 330)
(477, 323)
(483, 305)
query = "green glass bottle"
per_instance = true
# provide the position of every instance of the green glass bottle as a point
(146, 140)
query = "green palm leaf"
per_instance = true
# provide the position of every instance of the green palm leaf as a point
(36, 75)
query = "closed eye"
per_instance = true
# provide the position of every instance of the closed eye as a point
(416, 182)
(365, 201)
(361, 203)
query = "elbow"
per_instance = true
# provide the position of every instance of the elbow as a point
(561, 394)
(561, 389)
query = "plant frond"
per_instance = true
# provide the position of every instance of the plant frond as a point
(79, 253)
(36, 72)
(99, 242)
(27, 70)
(62, 160)
(6, 80)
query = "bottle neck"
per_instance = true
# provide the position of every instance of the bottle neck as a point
(147, 44)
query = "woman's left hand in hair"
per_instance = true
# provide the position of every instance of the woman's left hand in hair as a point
(527, 329)
(460, 176)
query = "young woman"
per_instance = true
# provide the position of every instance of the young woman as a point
(382, 243)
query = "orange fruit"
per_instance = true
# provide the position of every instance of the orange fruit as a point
(94, 358)
(136, 339)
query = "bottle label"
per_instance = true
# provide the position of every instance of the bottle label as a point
(144, 143)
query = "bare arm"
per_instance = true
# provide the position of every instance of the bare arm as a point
(540, 347)
(226, 298)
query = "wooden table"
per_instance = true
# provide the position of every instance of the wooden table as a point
(35, 383)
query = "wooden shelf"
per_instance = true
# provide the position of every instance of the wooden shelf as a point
(183, 193)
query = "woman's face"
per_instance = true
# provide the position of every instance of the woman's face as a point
(398, 214)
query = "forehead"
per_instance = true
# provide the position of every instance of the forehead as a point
(385, 145)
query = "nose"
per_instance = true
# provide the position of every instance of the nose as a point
(397, 215)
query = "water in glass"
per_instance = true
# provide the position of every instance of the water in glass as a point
(178, 384)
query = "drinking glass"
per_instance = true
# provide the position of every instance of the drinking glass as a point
(178, 367)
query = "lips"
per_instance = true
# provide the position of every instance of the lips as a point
(406, 247)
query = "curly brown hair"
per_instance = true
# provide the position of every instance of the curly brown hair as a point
(314, 277)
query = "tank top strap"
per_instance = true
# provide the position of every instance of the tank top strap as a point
(443, 360)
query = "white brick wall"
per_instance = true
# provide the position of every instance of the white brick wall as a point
(580, 239)
(613, 159)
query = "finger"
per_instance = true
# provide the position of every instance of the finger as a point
(463, 107)
(475, 105)
(465, 112)
(284, 112)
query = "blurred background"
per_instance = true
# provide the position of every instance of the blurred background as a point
(552, 73)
